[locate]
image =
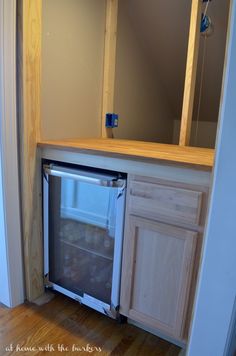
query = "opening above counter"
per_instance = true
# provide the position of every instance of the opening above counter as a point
(151, 54)
(139, 59)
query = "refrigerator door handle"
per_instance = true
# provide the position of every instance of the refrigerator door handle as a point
(46, 223)
(105, 181)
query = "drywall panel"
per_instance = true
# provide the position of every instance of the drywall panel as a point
(203, 133)
(11, 264)
(217, 280)
(140, 99)
(4, 273)
(230, 347)
(72, 67)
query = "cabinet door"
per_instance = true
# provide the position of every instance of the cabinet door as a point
(157, 267)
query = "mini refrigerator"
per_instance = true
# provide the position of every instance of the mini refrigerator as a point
(83, 218)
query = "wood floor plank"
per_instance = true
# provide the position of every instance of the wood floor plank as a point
(45, 322)
(31, 319)
(41, 330)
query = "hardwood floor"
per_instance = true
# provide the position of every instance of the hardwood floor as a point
(62, 321)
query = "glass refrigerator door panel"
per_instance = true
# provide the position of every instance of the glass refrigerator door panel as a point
(81, 236)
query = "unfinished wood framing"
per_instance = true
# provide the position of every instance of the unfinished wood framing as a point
(29, 77)
(109, 65)
(191, 71)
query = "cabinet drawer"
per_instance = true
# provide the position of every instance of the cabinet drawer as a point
(156, 200)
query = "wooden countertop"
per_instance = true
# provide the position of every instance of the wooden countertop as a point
(193, 156)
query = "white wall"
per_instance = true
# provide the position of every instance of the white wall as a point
(217, 283)
(231, 342)
(4, 280)
(72, 68)
(140, 99)
(11, 264)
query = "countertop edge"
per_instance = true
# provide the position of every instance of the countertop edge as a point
(71, 146)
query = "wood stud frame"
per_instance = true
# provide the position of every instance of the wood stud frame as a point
(191, 72)
(109, 65)
(29, 59)
(29, 88)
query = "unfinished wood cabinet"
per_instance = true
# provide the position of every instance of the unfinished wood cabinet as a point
(158, 264)
(78, 60)
(163, 231)
(155, 200)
